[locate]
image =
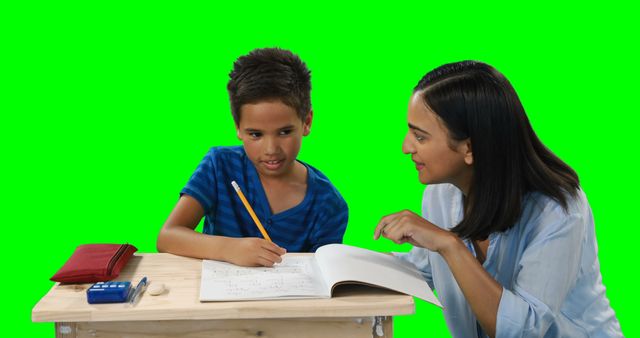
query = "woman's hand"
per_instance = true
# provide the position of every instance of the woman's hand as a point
(408, 227)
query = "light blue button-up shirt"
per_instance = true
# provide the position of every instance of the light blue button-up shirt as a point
(547, 265)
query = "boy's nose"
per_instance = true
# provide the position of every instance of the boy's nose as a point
(271, 146)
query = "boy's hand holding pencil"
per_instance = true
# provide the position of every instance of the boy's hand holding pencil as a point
(253, 251)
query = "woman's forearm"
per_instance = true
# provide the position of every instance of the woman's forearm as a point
(480, 289)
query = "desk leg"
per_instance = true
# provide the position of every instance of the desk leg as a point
(365, 327)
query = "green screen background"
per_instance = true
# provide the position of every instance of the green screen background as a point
(107, 110)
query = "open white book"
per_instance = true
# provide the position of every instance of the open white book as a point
(312, 276)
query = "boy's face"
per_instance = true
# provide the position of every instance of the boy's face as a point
(272, 134)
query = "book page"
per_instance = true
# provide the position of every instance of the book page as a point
(343, 263)
(295, 277)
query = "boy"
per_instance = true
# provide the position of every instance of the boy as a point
(270, 95)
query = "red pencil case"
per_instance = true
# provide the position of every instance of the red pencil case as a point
(92, 263)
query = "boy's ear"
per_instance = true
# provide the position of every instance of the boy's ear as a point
(306, 124)
(238, 133)
(467, 152)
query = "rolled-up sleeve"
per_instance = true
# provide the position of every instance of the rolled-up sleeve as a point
(419, 257)
(546, 272)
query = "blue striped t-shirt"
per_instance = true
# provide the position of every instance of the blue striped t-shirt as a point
(321, 217)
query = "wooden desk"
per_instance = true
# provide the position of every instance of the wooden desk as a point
(178, 312)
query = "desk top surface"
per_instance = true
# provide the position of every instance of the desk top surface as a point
(181, 277)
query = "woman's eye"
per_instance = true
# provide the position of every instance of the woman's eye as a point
(419, 138)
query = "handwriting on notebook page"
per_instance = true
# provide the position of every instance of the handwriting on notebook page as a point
(295, 275)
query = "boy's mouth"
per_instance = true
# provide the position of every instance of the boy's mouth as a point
(273, 165)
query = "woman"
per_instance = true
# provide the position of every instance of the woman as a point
(508, 236)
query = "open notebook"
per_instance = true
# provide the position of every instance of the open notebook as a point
(312, 276)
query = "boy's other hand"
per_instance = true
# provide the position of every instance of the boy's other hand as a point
(253, 251)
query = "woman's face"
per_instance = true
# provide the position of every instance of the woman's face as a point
(438, 158)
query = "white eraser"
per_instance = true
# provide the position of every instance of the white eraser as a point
(155, 289)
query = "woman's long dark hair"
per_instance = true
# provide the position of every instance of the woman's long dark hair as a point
(478, 103)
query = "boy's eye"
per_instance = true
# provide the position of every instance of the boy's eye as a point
(255, 134)
(285, 132)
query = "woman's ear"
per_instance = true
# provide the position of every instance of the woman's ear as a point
(466, 151)
(306, 124)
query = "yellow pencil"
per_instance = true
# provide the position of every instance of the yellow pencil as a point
(250, 210)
